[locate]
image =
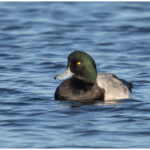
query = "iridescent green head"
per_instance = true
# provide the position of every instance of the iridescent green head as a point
(81, 66)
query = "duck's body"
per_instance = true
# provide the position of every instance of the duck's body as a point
(76, 90)
(114, 87)
(86, 85)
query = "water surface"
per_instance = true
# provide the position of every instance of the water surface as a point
(35, 40)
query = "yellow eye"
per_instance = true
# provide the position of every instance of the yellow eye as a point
(78, 63)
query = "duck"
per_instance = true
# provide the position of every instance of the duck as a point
(83, 84)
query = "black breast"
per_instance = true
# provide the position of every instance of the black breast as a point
(75, 90)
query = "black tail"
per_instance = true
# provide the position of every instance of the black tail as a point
(128, 84)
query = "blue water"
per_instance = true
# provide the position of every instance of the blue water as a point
(35, 40)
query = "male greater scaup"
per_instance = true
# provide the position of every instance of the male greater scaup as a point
(85, 85)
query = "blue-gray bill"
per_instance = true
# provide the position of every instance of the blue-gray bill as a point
(66, 74)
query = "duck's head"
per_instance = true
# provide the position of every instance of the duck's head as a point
(81, 66)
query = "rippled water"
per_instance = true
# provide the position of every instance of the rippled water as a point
(35, 40)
